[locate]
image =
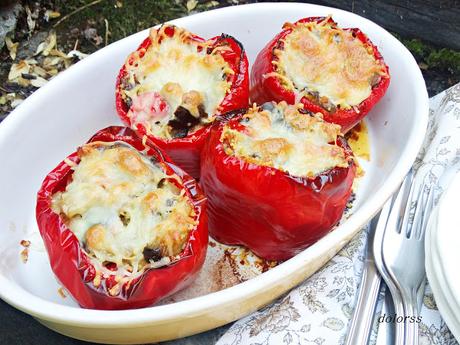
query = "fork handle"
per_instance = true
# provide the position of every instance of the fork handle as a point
(410, 317)
(361, 323)
(399, 336)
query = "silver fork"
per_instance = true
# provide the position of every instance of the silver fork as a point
(403, 250)
(396, 202)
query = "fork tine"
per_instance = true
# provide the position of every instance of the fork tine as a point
(411, 224)
(407, 206)
(427, 211)
(398, 205)
(423, 207)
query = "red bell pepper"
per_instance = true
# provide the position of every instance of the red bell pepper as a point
(273, 213)
(265, 86)
(185, 151)
(71, 263)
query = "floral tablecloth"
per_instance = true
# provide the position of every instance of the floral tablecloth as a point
(318, 311)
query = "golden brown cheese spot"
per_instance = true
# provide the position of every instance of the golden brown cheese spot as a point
(271, 149)
(173, 74)
(322, 60)
(281, 136)
(120, 206)
(291, 116)
(95, 238)
(132, 163)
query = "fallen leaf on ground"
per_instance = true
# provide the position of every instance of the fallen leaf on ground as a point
(38, 82)
(48, 45)
(51, 15)
(17, 69)
(76, 53)
(191, 4)
(30, 20)
(12, 47)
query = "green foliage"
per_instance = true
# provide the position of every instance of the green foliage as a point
(433, 57)
(444, 58)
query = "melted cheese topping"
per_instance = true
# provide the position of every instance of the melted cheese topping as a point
(280, 136)
(123, 208)
(175, 73)
(328, 63)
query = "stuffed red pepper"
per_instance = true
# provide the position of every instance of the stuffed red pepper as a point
(337, 72)
(175, 84)
(122, 225)
(277, 179)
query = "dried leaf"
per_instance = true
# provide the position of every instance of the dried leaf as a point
(47, 62)
(10, 96)
(30, 20)
(22, 81)
(67, 63)
(212, 3)
(48, 45)
(191, 4)
(40, 71)
(16, 102)
(51, 41)
(40, 47)
(52, 72)
(57, 52)
(77, 53)
(38, 82)
(12, 47)
(118, 4)
(17, 69)
(3, 100)
(51, 15)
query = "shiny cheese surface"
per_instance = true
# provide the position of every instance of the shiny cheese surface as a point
(120, 205)
(328, 62)
(177, 71)
(280, 136)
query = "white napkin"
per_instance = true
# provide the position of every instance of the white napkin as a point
(318, 310)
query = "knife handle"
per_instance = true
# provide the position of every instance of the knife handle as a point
(363, 316)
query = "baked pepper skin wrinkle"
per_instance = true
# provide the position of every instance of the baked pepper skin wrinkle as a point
(269, 88)
(71, 264)
(186, 151)
(272, 213)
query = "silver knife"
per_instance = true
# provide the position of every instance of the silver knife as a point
(363, 316)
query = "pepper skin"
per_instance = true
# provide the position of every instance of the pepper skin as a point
(266, 88)
(185, 152)
(71, 264)
(274, 214)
